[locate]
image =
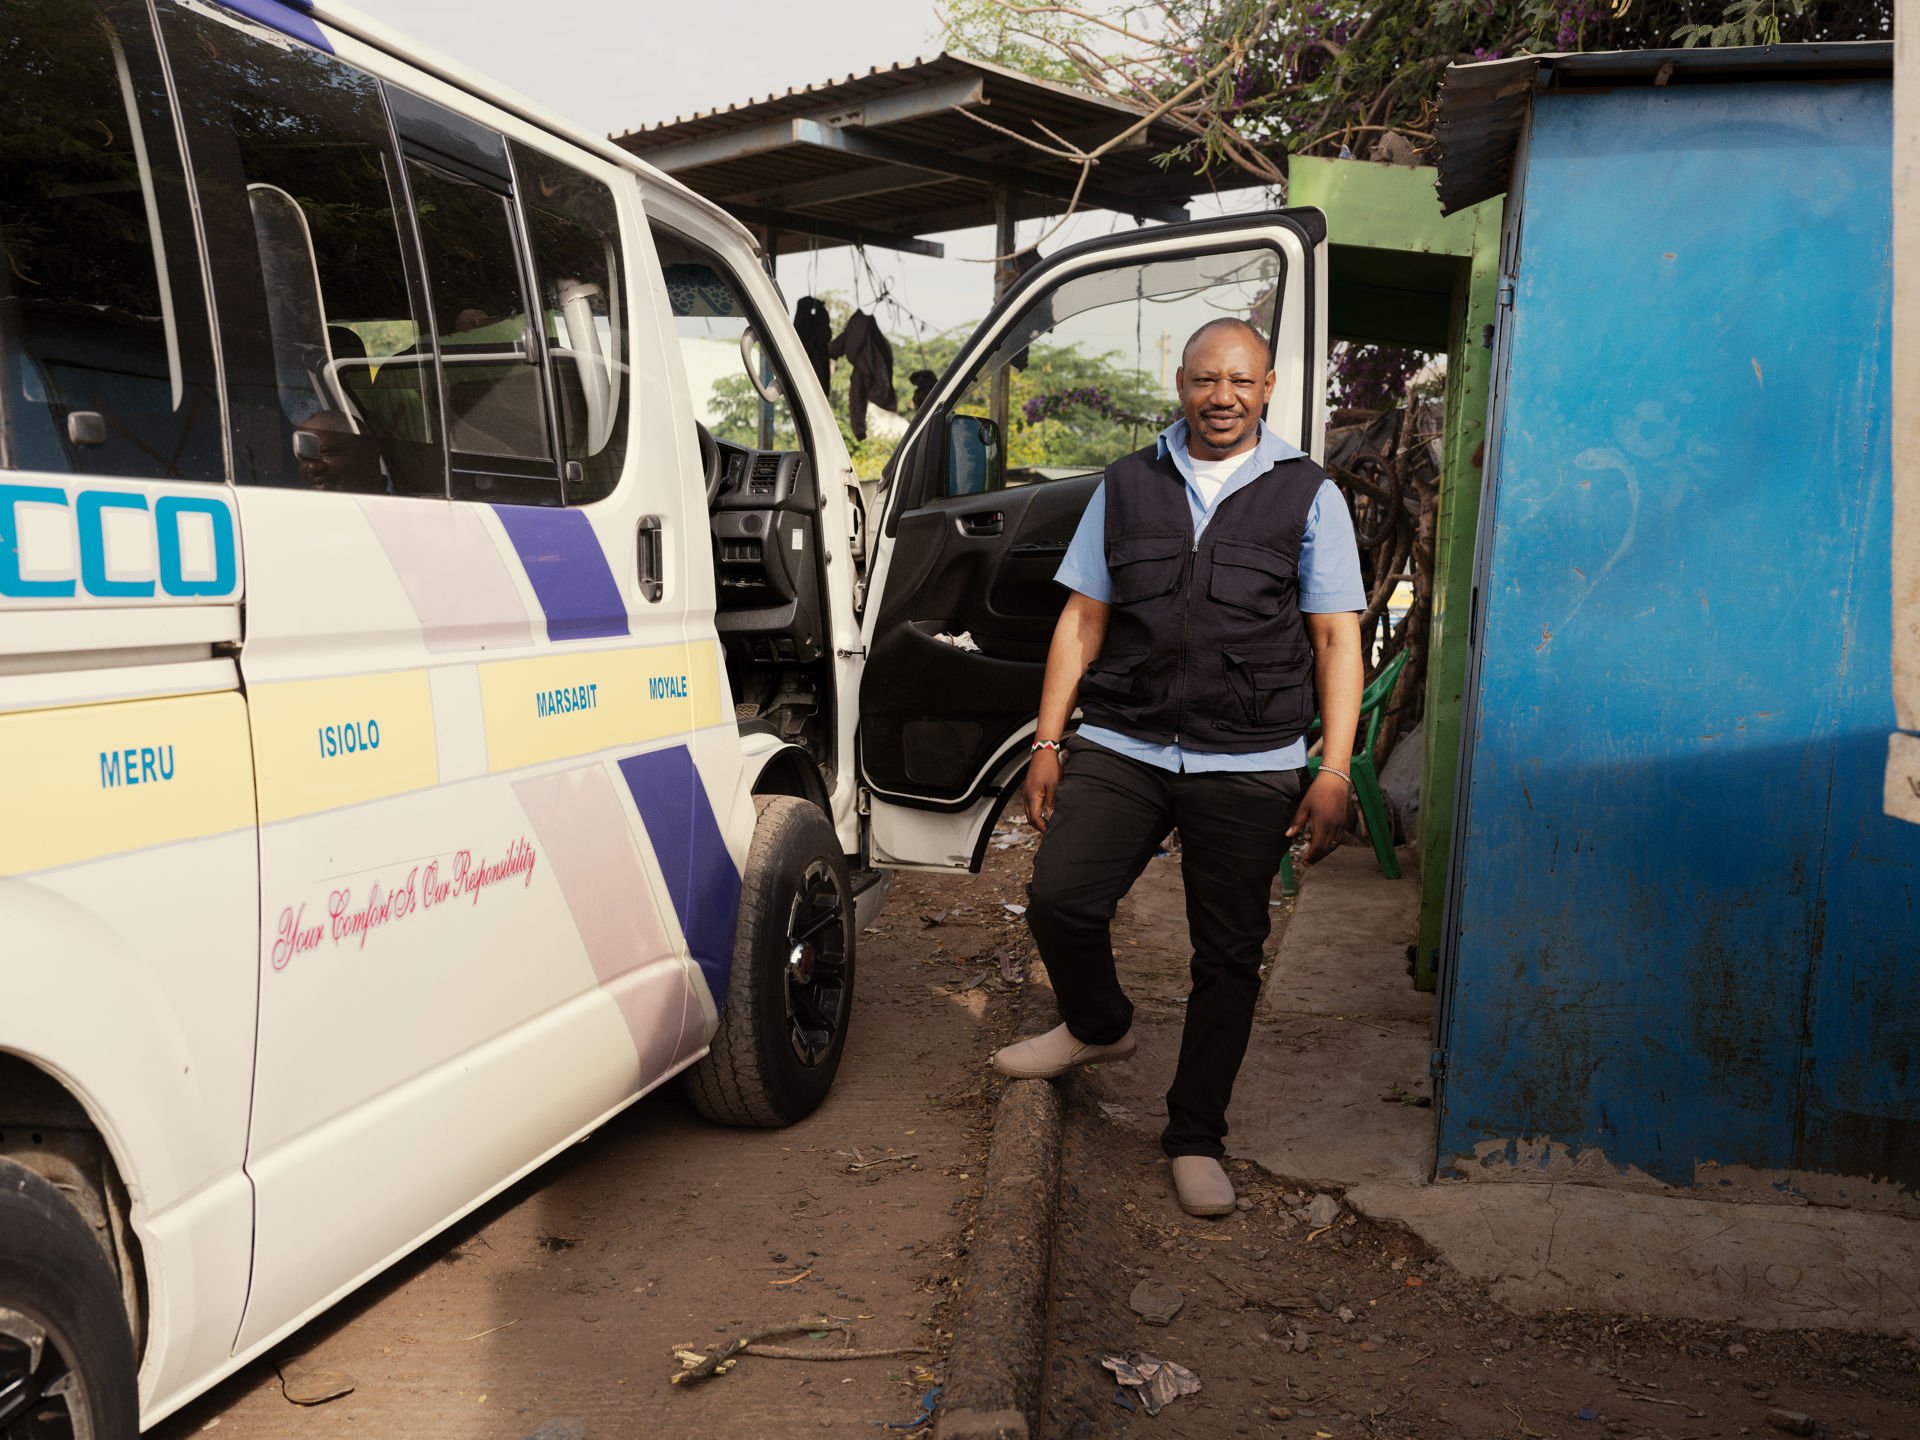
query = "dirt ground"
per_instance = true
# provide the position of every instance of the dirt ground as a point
(1300, 1330)
(556, 1309)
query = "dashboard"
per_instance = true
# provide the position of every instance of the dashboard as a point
(766, 556)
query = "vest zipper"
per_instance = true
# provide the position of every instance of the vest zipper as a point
(1186, 631)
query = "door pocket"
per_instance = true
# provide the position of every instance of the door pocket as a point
(1250, 576)
(1112, 677)
(1266, 680)
(1144, 567)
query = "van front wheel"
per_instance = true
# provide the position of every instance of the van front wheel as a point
(783, 1022)
(66, 1355)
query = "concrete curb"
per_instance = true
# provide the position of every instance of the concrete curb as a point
(999, 1338)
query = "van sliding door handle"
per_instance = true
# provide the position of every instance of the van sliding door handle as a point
(653, 575)
(982, 523)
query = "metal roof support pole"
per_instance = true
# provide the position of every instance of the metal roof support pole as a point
(1004, 274)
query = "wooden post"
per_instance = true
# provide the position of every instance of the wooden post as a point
(1004, 273)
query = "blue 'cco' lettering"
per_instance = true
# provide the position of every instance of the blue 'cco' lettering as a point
(666, 687)
(566, 699)
(352, 737)
(135, 765)
(88, 509)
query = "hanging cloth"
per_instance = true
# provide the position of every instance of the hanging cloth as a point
(815, 327)
(868, 350)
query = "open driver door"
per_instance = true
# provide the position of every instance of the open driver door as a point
(1072, 369)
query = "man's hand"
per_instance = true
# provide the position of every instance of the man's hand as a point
(1323, 811)
(1076, 642)
(1043, 778)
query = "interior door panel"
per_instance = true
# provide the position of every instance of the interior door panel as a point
(945, 710)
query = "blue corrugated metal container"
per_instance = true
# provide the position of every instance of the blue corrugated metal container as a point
(1683, 939)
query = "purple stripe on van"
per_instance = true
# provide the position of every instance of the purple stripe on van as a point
(294, 17)
(568, 571)
(693, 856)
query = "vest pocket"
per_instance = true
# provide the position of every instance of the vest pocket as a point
(1269, 682)
(1111, 678)
(1249, 576)
(1144, 567)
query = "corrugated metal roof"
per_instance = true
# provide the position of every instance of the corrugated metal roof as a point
(917, 148)
(1483, 107)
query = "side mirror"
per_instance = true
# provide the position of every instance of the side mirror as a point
(762, 374)
(975, 462)
(306, 445)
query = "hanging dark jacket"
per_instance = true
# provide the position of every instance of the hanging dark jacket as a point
(1205, 645)
(815, 328)
(871, 354)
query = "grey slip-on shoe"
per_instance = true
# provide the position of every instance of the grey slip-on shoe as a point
(1202, 1185)
(1041, 1057)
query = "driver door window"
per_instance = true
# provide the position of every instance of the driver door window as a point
(738, 394)
(1087, 375)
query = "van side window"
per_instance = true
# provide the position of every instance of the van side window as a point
(498, 423)
(330, 379)
(106, 362)
(578, 275)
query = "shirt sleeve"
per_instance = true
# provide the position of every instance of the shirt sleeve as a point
(1085, 568)
(1329, 557)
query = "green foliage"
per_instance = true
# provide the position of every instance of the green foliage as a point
(1034, 45)
(1068, 410)
(1744, 22)
(1048, 425)
(1251, 79)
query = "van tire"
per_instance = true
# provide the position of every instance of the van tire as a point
(783, 1021)
(57, 1287)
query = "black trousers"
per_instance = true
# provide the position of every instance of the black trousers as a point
(1110, 814)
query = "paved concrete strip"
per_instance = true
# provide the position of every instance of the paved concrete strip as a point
(1771, 1267)
(1340, 1053)
(1345, 949)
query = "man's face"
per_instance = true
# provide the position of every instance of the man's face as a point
(1224, 386)
(341, 460)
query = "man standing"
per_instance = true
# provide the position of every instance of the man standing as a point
(1216, 589)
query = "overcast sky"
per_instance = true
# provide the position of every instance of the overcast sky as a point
(611, 65)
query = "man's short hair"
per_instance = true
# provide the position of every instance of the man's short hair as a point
(1227, 322)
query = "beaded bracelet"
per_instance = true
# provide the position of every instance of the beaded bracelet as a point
(1040, 745)
(1329, 770)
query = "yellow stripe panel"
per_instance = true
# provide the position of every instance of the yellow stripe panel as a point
(323, 744)
(552, 707)
(102, 779)
(704, 661)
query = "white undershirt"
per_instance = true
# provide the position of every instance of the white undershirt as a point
(1209, 476)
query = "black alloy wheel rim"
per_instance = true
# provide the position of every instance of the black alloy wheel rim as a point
(40, 1395)
(816, 965)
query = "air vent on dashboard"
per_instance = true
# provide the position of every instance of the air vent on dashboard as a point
(764, 480)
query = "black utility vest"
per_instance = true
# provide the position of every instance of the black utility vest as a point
(1205, 647)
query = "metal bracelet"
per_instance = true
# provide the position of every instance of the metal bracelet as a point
(1329, 770)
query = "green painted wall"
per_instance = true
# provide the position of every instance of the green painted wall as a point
(1403, 274)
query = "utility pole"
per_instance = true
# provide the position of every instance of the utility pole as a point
(1004, 274)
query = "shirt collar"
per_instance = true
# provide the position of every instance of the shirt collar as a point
(1269, 449)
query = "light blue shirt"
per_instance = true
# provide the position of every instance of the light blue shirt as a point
(1329, 582)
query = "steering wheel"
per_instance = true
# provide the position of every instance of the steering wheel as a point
(709, 461)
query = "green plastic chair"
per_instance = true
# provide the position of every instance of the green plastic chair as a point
(1366, 777)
